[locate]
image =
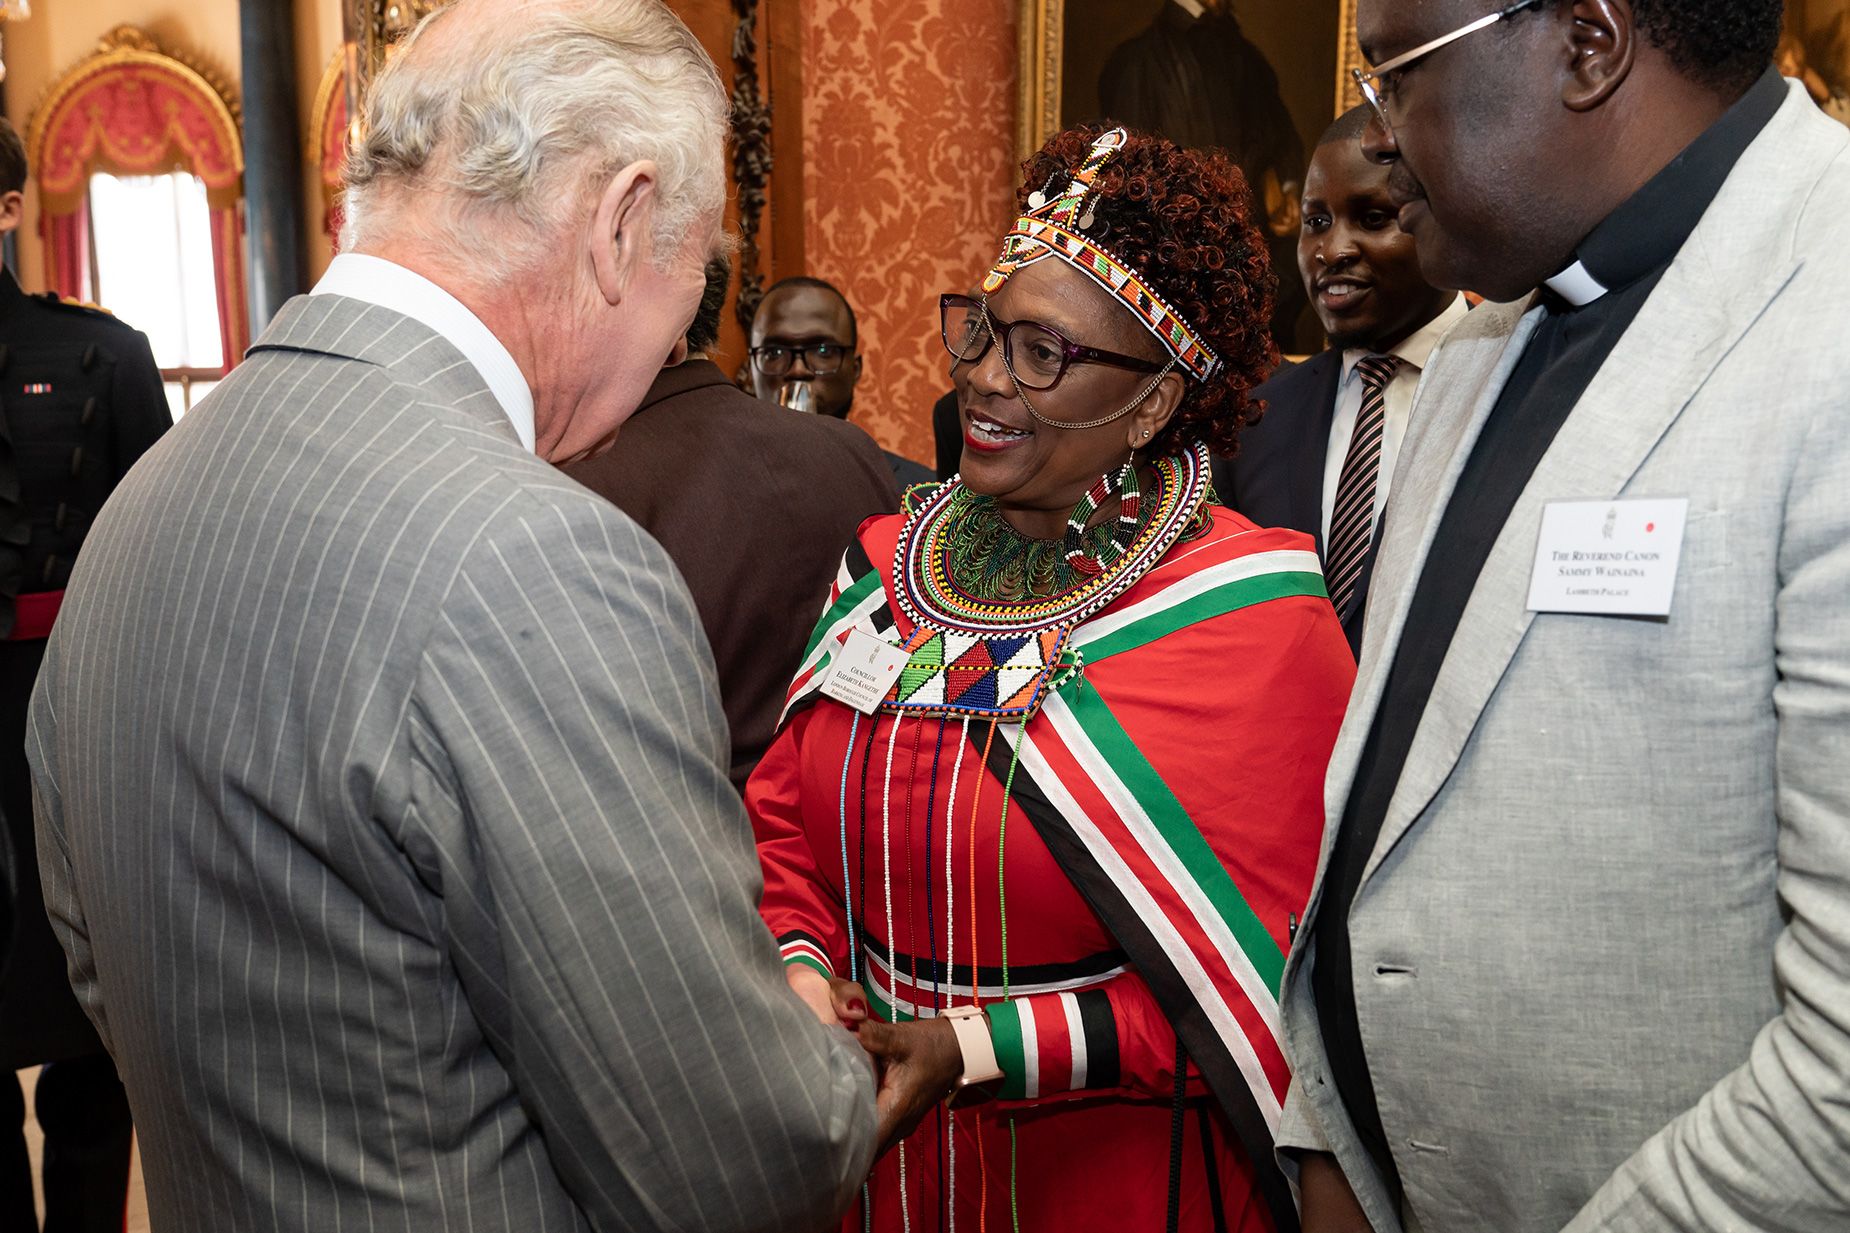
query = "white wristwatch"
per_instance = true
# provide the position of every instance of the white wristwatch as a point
(979, 1051)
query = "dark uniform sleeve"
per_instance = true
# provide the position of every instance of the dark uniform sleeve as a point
(138, 402)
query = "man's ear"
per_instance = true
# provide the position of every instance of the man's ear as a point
(621, 229)
(12, 210)
(1603, 38)
(859, 362)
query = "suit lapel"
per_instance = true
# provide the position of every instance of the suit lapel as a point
(1450, 406)
(1454, 399)
(1312, 448)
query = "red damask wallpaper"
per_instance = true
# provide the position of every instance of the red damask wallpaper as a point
(909, 176)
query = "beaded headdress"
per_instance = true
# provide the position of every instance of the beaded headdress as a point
(1056, 227)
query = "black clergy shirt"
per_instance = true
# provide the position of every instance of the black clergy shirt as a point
(1624, 257)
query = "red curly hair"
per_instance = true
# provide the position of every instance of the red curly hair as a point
(1183, 220)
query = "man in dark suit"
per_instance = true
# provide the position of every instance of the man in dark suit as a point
(80, 401)
(1322, 459)
(806, 354)
(754, 504)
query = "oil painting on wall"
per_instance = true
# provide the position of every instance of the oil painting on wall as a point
(1259, 79)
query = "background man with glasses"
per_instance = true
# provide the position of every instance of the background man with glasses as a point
(700, 460)
(1580, 955)
(805, 355)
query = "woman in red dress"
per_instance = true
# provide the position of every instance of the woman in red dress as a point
(1049, 790)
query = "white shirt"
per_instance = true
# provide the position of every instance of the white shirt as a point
(390, 285)
(1413, 353)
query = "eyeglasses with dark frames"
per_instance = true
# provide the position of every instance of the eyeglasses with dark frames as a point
(823, 359)
(1377, 83)
(1037, 355)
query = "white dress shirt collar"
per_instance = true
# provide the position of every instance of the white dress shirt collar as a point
(1417, 347)
(387, 284)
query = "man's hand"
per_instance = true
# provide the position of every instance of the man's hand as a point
(1329, 1204)
(833, 1001)
(920, 1062)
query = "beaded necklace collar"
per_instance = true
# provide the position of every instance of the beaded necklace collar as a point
(996, 660)
(928, 595)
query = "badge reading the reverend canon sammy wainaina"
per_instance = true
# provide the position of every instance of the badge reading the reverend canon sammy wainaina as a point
(1608, 558)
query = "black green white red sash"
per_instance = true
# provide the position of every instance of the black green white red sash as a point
(1126, 842)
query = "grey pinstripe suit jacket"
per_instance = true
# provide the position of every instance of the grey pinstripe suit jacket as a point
(381, 788)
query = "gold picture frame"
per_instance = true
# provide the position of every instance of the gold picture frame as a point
(1042, 61)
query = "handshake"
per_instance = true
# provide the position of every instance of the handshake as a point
(918, 1063)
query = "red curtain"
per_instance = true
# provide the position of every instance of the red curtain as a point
(228, 266)
(67, 251)
(132, 110)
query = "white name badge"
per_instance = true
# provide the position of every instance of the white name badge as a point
(1608, 558)
(865, 669)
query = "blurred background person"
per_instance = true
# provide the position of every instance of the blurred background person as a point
(82, 401)
(751, 503)
(1321, 461)
(397, 864)
(805, 352)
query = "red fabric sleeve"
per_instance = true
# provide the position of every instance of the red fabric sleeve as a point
(800, 905)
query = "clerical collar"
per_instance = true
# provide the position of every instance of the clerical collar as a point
(1646, 232)
(1177, 17)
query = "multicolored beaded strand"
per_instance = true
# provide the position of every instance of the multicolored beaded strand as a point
(950, 947)
(847, 885)
(892, 957)
(1002, 909)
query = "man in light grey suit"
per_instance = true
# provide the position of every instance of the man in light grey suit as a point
(1579, 957)
(381, 774)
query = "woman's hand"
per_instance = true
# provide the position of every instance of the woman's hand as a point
(833, 1001)
(920, 1063)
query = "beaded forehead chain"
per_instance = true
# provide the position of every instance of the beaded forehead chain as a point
(1056, 228)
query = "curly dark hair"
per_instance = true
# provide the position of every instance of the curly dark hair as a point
(1183, 219)
(1726, 44)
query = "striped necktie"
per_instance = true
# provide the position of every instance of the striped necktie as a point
(1352, 522)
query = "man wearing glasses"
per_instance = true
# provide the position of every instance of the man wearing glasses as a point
(805, 355)
(1580, 956)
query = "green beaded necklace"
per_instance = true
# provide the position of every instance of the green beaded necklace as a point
(990, 560)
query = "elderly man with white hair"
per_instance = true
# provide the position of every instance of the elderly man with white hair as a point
(380, 769)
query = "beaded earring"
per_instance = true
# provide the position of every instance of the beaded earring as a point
(1128, 488)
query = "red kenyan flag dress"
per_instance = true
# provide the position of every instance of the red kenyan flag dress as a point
(1161, 823)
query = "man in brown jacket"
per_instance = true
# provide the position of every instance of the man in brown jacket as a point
(754, 504)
